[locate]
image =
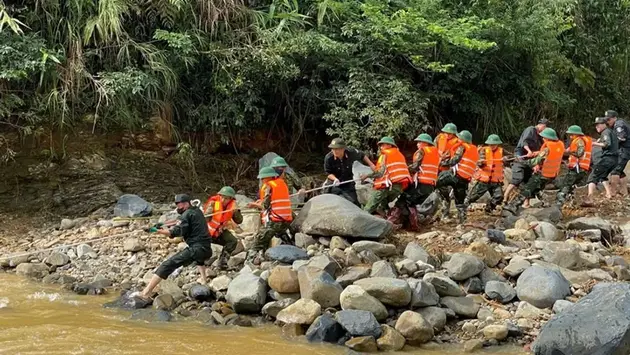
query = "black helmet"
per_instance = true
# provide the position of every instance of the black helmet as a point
(182, 198)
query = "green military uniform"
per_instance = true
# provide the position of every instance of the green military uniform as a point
(228, 240)
(449, 178)
(379, 199)
(292, 180)
(495, 189)
(574, 175)
(270, 229)
(415, 195)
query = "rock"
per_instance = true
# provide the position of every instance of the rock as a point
(87, 289)
(383, 268)
(593, 235)
(484, 314)
(284, 279)
(489, 275)
(368, 257)
(462, 306)
(416, 252)
(414, 328)
(129, 205)
(128, 303)
(164, 302)
(200, 293)
(319, 286)
(272, 309)
(246, 293)
(546, 231)
(275, 295)
(526, 310)
(352, 258)
(423, 294)
(542, 287)
(66, 224)
(84, 250)
(584, 223)
(574, 277)
(325, 329)
(462, 266)
(171, 287)
(133, 245)
(390, 340)
(519, 234)
(622, 273)
(286, 254)
(380, 249)
(292, 330)
(332, 215)
(304, 240)
(473, 285)
(353, 274)
(551, 214)
(589, 261)
(563, 254)
(473, 345)
(362, 344)
(516, 266)
(485, 252)
(389, 291)
(338, 243)
(220, 283)
(594, 325)
(359, 323)
(495, 331)
(236, 260)
(561, 306)
(500, 291)
(496, 236)
(33, 270)
(57, 259)
(304, 311)
(354, 297)
(326, 263)
(443, 285)
(151, 315)
(406, 267)
(599, 275)
(436, 316)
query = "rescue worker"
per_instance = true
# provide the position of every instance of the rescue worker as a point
(293, 181)
(579, 150)
(391, 178)
(424, 169)
(275, 204)
(338, 165)
(192, 227)
(607, 163)
(618, 181)
(462, 164)
(446, 140)
(545, 166)
(529, 143)
(489, 174)
(223, 209)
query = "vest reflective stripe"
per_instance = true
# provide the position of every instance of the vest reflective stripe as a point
(218, 220)
(584, 162)
(396, 170)
(280, 209)
(551, 165)
(493, 170)
(428, 167)
(445, 145)
(468, 164)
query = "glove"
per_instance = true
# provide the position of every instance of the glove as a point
(336, 182)
(154, 228)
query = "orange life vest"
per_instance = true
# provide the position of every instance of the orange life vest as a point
(214, 205)
(429, 166)
(468, 164)
(551, 165)
(584, 162)
(492, 171)
(280, 209)
(445, 145)
(396, 170)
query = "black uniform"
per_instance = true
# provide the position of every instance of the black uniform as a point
(192, 227)
(609, 159)
(622, 131)
(342, 169)
(522, 172)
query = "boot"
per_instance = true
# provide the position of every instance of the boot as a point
(394, 215)
(223, 261)
(413, 219)
(515, 206)
(461, 213)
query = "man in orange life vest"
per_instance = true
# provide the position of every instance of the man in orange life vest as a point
(489, 174)
(463, 163)
(275, 204)
(223, 208)
(579, 151)
(391, 177)
(546, 167)
(446, 140)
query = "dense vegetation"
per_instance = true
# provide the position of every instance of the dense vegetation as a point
(358, 69)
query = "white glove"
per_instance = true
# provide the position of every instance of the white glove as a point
(336, 182)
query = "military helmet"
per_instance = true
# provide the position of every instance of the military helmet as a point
(267, 172)
(425, 138)
(182, 198)
(466, 136)
(278, 162)
(494, 139)
(387, 140)
(227, 191)
(549, 133)
(575, 129)
(449, 128)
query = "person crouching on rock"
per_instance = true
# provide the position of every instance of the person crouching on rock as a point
(223, 209)
(275, 204)
(192, 227)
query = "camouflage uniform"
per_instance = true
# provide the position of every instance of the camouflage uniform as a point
(536, 183)
(572, 177)
(227, 239)
(269, 230)
(379, 199)
(480, 188)
(415, 195)
(449, 178)
(292, 180)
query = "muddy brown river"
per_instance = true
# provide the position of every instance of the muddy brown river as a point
(41, 319)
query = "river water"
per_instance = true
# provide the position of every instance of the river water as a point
(41, 319)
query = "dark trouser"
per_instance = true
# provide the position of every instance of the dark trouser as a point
(347, 191)
(380, 199)
(448, 179)
(535, 184)
(602, 169)
(228, 241)
(568, 184)
(414, 195)
(196, 253)
(521, 173)
(480, 188)
(268, 231)
(624, 157)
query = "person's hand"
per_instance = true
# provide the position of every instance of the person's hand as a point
(530, 154)
(302, 191)
(362, 177)
(163, 231)
(536, 168)
(252, 205)
(336, 182)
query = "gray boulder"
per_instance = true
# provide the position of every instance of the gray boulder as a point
(436, 316)
(389, 291)
(33, 270)
(359, 323)
(489, 275)
(414, 328)
(304, 240)
(517, 265)
(325, 329)
(379, 249)
(326, 263)
(542, 287)
(332, 215)
(561, 306)
(563, 254)
(551, 214)
(462, 306)
(423, 294)
(57, 259)
(383, 268)
(353, 274)
(585, 223)
(546, 231)
(443, 285)
(500, 291)
(319, 286)
(286, 254)
(272, 309)
(247, 293)
(354, 297)
(416, 252)
(129, 205)
(462, 266)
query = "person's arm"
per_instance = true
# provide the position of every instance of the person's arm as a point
(579, 152)
(415, 165)
(482, 157)
(531, 140)
(368, 162)
(180, 229)
(459, 153)
(237, 216)
(539, 159)
(377, 173)
(294, 180)
(620, 130)
(265, 202)
(328, 167)
(603, 142)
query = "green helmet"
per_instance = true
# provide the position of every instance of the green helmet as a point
(575, 129)
(493, 139)
(227, 191)
(465, 136)
(387, 140)
(267, 172)
(425, 138)
(278, 162)
(549, 133)
(450, 128)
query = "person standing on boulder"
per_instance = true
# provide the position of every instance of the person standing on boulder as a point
(293, 181)
(545, 166)
(622, 130)
(580, 149)
(275, 204)
(223, 209)
(391, 178)
(489, 174)
(338, 165)
(606, 164)
(192, 227)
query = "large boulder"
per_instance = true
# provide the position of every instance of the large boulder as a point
(585, 223)
(272, 309)
(563, 254)
(353, 274)
(485, 252)
(379, 249)
(286, 254)
(436, 316)
(414, 328)
(284, 279)
(462, 266)
(304, 311)
(129, 205)
(383, 268)
(598, 324)
(443, 285)
(354, 297)
(251, 221)
(57, 259)
(34, 270)
(247, 293)
(326, 263)
(390, 340)
(542, 286)
(325, 329)
(500, 291)
(551, 214)
(423, 294)
(332, 215)
(416, 252)
(359, 323)
(319, 286)
(462, 306)
(389, 291)
(546, 231)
